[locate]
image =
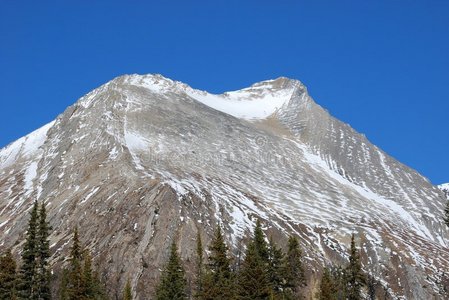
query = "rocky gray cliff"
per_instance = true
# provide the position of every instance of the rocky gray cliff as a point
(143, 160)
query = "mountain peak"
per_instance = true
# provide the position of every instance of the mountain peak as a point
(258, 101)
(278, 83)
(158, 158)
(161, 83)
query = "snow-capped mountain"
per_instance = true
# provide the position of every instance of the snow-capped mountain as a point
(144, 159)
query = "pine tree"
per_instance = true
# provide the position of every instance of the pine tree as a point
(28, 285)
(355, 278)
(43, 255)
(172, 284)
(79, 281)
(339, 278)
(72, 283)
(63, 288)
(275, 268)
(75, 279)
(199, 267)
(253, 279)
(446, 214)
(260, 243)
(88, 280)
(8, 267)
(127, 292)
(218, 280)
(293, 270)
(328, 287)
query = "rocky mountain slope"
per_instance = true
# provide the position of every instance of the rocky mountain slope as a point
(143, 160)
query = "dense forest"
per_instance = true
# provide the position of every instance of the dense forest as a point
(264, 271)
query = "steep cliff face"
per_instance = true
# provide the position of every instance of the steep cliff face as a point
(143, 160)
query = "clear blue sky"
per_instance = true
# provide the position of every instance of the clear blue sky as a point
(381, 66)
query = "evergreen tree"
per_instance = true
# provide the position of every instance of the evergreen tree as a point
(446, 214)
(127, 292)
(253, 279)
(88, 280)
(7, 276)
(75, 275)
(218, 283)
(275, 268)
(293, 270)
(99, 289)
(72, 279)
(172, 284)
(339, 277)
(43, 255)
(199, 267)
(63, 288)
(79, 281)
(260, 243)
(355, 278)
(28, 284)
(328, 287)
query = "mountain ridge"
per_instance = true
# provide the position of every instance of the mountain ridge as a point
(164, 164)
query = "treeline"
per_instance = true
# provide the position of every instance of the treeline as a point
(346, 283)
(265, 271)
(32, 281)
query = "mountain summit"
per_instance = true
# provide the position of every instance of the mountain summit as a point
(143, 160)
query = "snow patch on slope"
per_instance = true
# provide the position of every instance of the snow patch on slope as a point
(247, 103)
(30, 174)
(315, 160)
(24, 147)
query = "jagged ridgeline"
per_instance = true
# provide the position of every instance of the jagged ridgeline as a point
(143, 161)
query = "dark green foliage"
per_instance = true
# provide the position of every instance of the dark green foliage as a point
(79, 281)
(88, 280)
(8, 267)
(259, 242)
(172, 284)
(328, 286)
(43, 255)
(254, 276)
(293, 270)
(127, 292)
(27, 285)
(63, 288)
(218, 280)
(355, 278)
(75, 281)
(253, 279)
(34, 275)
(275, 268)
(219, 262)
(199, 267)
(340, 280)
(333, 284)
(446, 214)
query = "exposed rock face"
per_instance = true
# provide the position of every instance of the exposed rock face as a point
(143, 160)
